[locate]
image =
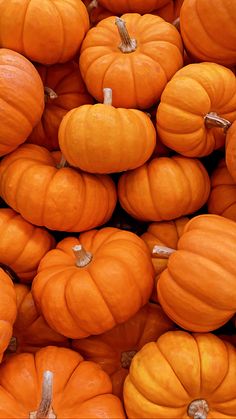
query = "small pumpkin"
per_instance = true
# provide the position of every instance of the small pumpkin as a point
(89, 285)
(230, 151)
(181, 376)
(96, 11)
(170, 11)
(132, 6)
(8, 310)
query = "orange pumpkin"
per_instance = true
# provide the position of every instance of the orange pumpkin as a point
(182, 376)
(22, 99)
(197, 290)
(89, 285)
(115, 349)
(22, 245)
(196, 109)
(55, 383)
(165, 188)
(96, 11)
(170, 11)
(135, 62)
(222, 198)
(64, 90)
(103, 139)
(7, 310)
(202, 23)
(59, 198)
(133, 6)
(230, 151)
(48, 33)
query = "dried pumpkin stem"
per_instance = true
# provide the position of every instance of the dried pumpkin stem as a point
(126, 358)
(45, 410)
(92, 5)
(198, 409)
(162, 252)
(63, 163)
(12, 347)
(127, 44)
(107, 96)
(83, 258)
(49, 93)
(176, 23)
(212, 120)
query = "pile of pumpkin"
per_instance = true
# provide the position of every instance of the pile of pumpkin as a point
(118, 211)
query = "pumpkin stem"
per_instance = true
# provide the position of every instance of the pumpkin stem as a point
(127, 44)
(63, 163)
(176, 23)
(162, 252)
(92, 5)
(49, 93)
(213, 120)
(198, 409)
(126, 358)
(12, 347)
(107, 96)
(45, 410)
(83, 258)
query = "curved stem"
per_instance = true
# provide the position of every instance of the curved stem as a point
(49, 93)
(63, 163)
(127, 44)
(107, 96)
(126, 358)
(83, 258)
(45, 407)
(198, 409)
(213, 120)
(92, 5)
(162, 252)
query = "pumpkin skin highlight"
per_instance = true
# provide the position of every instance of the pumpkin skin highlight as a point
(230, 151)
(48, 33)
(109, 290)
(8, 310)
(161, 385)
(197, 290)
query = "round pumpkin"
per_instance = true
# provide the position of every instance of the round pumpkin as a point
(197, 290)
(165, 188)
(181, 376)
(22, 101)
(196, 109)
(222, 198)
(115, 349)
(8, 310)
(133, 55)
(230, 151)
(132, 6)
(208, 30)
(87, 286)
(59, 198)
(103, 139)
(55, 383)
(48, 33)
(64, 90)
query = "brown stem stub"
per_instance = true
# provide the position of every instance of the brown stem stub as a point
(198, 409)
(45, 410)
(62, 163)
(126, 358)
(49, 93)
(83, 258)
(127, 44)
(162, 252)
(107, 96)
(176, 23)
(92, 5)
(12, 347)
(212, 120)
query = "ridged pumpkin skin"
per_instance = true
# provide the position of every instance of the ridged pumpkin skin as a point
(81, 301)
(65, 80)
(138, 78)
(132, 6)
(48, 33)
(114, 349)
(222, 198)
(230, 151)
(80, 389)
(167, 375)
(103, 139)
(59, 199)
(201, 24)
(197, 290)
(195, 91)
(22, 245)
(7, 310)
(165, 188)
(22, 99)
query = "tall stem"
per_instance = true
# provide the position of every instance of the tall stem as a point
(45, 410)
(107, 96)
(83, 258)
(198, 409)
(162, 252)
(127, 44)
(212, 120)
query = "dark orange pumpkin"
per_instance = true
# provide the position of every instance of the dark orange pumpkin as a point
(8, 310)
(230, 151)
(134, 6)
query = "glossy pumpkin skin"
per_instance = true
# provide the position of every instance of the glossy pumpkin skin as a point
(59, 199)
(114, 349)
(103, 139)
(48, 33)
(7, 310)
(80, 389)
(22, 101)
(160, 189)
(230, 150)
(208, 372)
(197, 290)
(22, 245)
(193, 92)
(132, 6)
(66, 82)
(138, 78)
(201, 24)
(108, 291)
(222, 198)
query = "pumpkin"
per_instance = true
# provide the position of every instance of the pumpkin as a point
(103, 139)
(55, 383)
(165, 188)
(132, 6)
(197, 289)
(64, 90)
(22, 245)
(59, 198)
(201, 24)
(22, 99)
(89, 285)
(48, 33)
(230, 151)
(222, 198)
(114, 350)
(7, 310)
(133, 55)
(196, 109)
(170, 11)
(181, 376)
(96, 12)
